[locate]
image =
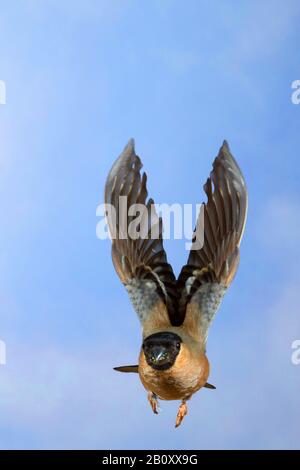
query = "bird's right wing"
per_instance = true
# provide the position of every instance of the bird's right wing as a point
(137, 246)
(211, 268)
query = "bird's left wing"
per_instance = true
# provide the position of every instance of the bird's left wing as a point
(137, 246)
(210, 268)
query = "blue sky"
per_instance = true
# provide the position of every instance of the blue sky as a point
(81, 78)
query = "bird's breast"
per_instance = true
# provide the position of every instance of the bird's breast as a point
(179, 382)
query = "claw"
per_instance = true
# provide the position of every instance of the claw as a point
(152, 397)
(182, 411)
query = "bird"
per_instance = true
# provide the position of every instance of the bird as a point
(175, 313)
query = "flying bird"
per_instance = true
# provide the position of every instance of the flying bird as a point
(175, 314)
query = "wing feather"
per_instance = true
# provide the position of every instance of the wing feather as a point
(138, 257)
(209, 270)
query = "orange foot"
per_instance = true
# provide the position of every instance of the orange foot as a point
(152, 397)
(181, 414)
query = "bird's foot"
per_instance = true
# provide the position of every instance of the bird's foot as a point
(152, 397)
(182, 411)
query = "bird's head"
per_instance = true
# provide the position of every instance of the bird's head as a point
(172, 364)
(161, 350)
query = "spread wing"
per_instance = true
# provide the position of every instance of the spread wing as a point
(137, 246)
(209, 270)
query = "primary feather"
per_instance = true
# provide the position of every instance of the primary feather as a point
(209, 271)
(141, 262)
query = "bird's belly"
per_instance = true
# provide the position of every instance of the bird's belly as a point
(172, 386)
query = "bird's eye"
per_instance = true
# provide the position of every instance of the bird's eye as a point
(178, 345)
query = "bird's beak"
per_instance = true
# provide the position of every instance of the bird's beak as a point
(158, 355)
